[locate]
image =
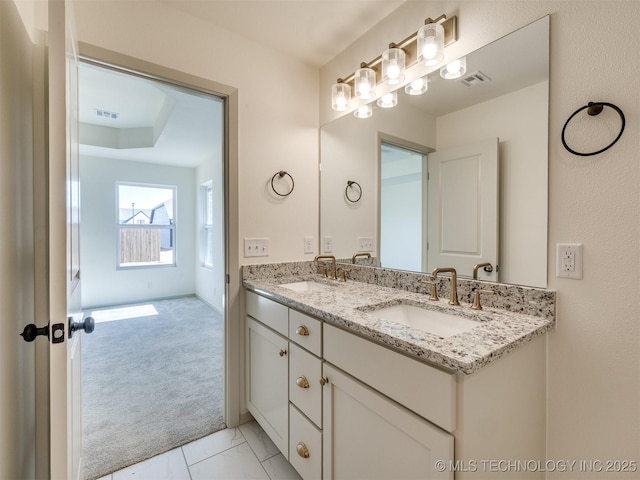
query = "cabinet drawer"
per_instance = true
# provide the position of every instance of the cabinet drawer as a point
(428, 391)
(310, 337)
(267, 311)
(304, 439)
(305, 391)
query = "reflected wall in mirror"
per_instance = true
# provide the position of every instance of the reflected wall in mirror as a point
(433, 211)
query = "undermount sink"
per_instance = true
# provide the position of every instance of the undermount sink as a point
(305, 286)
(431, 321)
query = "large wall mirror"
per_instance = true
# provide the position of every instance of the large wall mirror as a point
(456, 176)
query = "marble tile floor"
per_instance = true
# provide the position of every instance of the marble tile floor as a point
(235, 453)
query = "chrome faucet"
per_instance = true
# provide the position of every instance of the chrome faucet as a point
(454, 282)
(333, 264)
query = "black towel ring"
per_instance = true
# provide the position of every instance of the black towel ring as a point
(593, 109)
(281, 174)
(350, 184)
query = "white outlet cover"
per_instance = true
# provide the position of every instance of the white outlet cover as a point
(569, 260)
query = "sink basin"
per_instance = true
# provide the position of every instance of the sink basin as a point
(305, 286)
(431, 321)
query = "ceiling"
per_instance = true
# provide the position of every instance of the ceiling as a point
(130, 118)
(312, 31)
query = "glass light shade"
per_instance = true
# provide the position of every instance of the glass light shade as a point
(340, 97)
(431, 44)
(393, 66)
(417, 87)
(455, 69)
(388, 100)
(364, 111)
(365, 83)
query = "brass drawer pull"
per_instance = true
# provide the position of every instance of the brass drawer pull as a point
(324, 381)
(282, 353)
(302, 382)
(302, 450)
(302, 331)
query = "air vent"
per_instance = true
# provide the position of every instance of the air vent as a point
(474, 79)
(107, 114)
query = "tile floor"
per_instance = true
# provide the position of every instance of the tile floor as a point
(235, 453)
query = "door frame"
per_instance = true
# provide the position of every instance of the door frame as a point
(231, 303)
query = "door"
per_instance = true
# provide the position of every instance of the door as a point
(463, 208)
(64, 221)
(366, 435)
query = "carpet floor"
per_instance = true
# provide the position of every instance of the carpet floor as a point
(150, 383)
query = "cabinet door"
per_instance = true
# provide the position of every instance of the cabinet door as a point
(366, 435)
(267, 382)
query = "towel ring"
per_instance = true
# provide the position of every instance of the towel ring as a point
(281, 174)
(350, 184)
(593, 109)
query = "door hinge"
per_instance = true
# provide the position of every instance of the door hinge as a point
(228, 278)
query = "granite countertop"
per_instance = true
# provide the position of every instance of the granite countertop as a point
(349, 304)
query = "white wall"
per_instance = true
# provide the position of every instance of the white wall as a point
(593, 391)
(350, 150)
(210, 281)
(102, 282)
(17, 375)
(519, 120)
(278, 109)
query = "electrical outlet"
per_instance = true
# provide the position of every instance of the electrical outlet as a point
(308, 244)
(256, 247)
(365, 244)
(327, 244)
(569, 260)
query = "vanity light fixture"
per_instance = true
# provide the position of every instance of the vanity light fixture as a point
(365, 83)
(425, 46)
(340, 97)
(364, 111)
(431, 44)
(417, 87)
(388, 100)
(393, 65)
(455, 69)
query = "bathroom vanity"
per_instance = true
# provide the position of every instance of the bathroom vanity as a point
(346, 391)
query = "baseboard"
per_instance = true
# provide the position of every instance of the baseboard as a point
(207, 303)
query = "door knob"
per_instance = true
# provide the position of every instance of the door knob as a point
(88, 325)
(30, 332)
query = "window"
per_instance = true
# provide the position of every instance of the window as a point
(146, 225)
(207, 224)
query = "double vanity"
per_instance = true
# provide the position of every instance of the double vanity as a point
(369, 378)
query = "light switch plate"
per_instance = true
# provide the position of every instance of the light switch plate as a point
(327, 244)
(256, 247)
(308, 244)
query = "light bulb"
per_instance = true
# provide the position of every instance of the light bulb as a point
(455, 69)
(429, 51)
(388, 100)
(364, 111)
(393, 66)
(365, 82)
(417, 87)
(340, 96)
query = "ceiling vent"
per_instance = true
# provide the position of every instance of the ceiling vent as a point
(474, 79)
(107, 114)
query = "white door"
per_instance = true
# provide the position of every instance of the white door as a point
(463, 208)
(368, 436)
(64, 222)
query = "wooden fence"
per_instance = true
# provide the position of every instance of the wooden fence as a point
(139, 245)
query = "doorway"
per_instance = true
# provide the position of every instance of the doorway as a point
(152, 256)
(403, 194)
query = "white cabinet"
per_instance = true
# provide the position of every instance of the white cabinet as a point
(340, 406)
(267, 382)
(367, 435)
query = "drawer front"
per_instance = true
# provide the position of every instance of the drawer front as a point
(305, 391)
(426, 390)
(267, 311)
(306, 331)
(305, 445)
